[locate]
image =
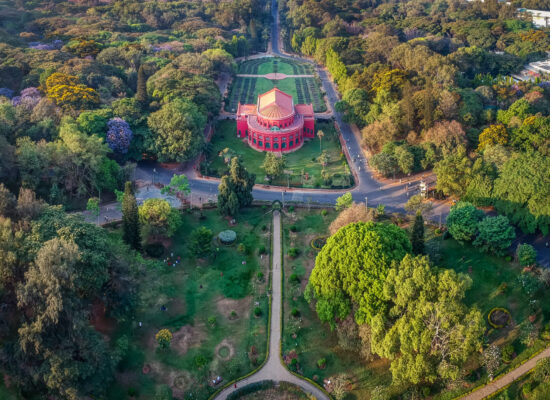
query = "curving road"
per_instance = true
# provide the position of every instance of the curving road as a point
(273, 368)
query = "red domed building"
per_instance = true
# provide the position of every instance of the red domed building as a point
(275, 123)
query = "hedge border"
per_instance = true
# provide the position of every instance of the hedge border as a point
(269, 287)
(305, 378)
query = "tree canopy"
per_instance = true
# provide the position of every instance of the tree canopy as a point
(351, 268)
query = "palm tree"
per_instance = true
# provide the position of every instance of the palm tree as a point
(320, 135)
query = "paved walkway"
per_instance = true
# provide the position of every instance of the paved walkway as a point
(273, 369)
(510, 377)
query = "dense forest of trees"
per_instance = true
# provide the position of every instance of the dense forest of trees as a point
(85, 87)
(430, 85)
(88, 88)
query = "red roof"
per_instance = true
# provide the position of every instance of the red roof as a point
(305, 109)
(275, 104)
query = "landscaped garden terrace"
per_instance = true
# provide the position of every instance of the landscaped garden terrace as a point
(215, 307)
(305, 164)
(304, 90)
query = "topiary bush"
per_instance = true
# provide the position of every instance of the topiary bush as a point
(257, 311)
(227, 237)
(294, 278)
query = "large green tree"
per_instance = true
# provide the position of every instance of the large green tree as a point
(351, 269)
(462, 221)
(425, 330)
(495, 234)
(273, 166)
(178, 127)
(130, 218)
(235, 189)
(158, 219)
(522, 191)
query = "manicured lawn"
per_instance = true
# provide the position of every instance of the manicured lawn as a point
(186, 298)
(275, 64)
(302, 160)
(303, 90)
(496, 283)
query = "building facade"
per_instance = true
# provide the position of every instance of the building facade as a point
(275, 123)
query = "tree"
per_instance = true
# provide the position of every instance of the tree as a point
(164, 337)
(351, 269)
(323, 159)
(417, 204)
(384, 163)
(453, 172)
(274, 166)
(65, 91)
(235, 189)
(178, 127)
(130, 218)
(417, 234)
(521, 191)
(178, 186)
(93, 207)
(526, 254)
(320, 135)
(344, 201)
(141, 92)
(158, 219)
(445, 135)
(201, 241)
(495, 234)
(463, 220)
(119, 135)
(425, 329)
(404, 158)
(493, 135)
(7, 201)
(356, 212)
(490, 359)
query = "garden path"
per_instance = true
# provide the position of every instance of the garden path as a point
(507, 379)
(273, 369)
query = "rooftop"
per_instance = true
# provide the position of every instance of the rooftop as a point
(275, 104)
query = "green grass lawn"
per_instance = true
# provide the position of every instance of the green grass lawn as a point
(313, 340)
(303, 90)
(193, 292)
(275, 64)
(304, 159)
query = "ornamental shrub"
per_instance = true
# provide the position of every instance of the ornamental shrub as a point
(163, 337)
(227, 236)
(119, 135)
(526, 254)
(293, 252)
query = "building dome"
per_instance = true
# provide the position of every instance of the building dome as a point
(275, 104)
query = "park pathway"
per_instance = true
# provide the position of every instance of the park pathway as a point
(273, 369)
(510, 377)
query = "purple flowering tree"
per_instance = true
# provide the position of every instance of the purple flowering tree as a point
(119, 135)
(5, 92)
(28, 98)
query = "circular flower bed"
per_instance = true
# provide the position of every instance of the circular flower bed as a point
(318, 242)
(227, 237)
(499, 317)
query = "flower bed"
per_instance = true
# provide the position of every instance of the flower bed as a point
(318, 242)
(499, 317)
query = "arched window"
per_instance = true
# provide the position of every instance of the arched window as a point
(290, 143)
(275, 146)
(267, 145)
(254, 141)
(260, 144)
(283, 145)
